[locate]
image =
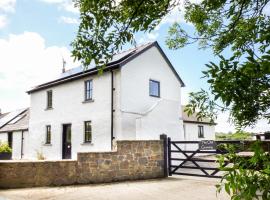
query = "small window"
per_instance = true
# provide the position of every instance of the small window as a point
(10, 139)
(87, 131)
(48, 134)
(200, 132)
(49, 99)
(154, 88)
(88, 90)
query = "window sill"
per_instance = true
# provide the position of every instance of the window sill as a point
(48, 109)
(88, 101)
(46, 144)
(154, 96)
(87, 143)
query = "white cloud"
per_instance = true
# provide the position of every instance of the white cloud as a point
(68, 20)
(7, 5)
(70, 7)
(148, 37)
(3, 21)
(176, 14)
(53, 1)
(67, 5)
(25, 62)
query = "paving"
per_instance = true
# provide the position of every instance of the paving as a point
(172, 188)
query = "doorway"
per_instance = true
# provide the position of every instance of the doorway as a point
(66, 153)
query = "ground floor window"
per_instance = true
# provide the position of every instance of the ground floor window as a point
(200, 132)
(48, 134)
(87, 131)
(10, 139)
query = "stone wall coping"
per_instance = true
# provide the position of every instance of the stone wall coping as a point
(35, 161)
(138, 141)
(97, 152)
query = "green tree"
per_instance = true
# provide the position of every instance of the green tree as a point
(238, 135)
(249, 177)
(239, 84)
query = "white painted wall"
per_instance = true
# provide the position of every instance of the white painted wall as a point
(137, 115)
(3, 137)
(163, 118)
(135, 100)
(68, 107)
(191, 131)
(16, 143)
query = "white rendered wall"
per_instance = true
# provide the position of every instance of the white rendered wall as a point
(3, 137)
(191, 132)
(16, 145)
(68, 108)
(161, 120)
(135, 99)
(16, 142)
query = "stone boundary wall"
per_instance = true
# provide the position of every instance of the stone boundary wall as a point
(133, 160)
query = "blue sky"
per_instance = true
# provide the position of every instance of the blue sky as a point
(36, 34)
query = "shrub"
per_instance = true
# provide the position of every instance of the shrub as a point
(248, 177)
(40, 155)
(4, 148)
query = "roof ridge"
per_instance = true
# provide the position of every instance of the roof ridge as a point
(135, 48)
(118, 53)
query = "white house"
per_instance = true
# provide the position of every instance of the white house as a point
(14, 131)
(196, 130)
(138, 96)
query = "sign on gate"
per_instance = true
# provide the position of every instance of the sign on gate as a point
(207, 145)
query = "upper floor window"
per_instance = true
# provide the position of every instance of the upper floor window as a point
(48, 134)
(154, 88)
(49, 99)
(88, 90)
(87, 131)
(200, 132)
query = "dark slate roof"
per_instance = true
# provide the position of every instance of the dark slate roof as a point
(193, 118)
(18, 121)
(117, 61)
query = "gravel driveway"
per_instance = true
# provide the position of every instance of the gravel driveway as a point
(173, 188)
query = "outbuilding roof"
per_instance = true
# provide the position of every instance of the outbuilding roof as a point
(117, 61)
(193, 118)
(15, 121)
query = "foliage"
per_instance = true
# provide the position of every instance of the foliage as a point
(4, 148)
(238, 135)
(106, 25)
(248, 177)
(239, 84)
(242, 88)
(40, 155)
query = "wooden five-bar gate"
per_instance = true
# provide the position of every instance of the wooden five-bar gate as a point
(195, 158)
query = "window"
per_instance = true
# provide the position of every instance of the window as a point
(88, 90)
(10, 139)
(200, 132)
(48, 134)
(154, 88)
(49, 99)
(87, 131)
